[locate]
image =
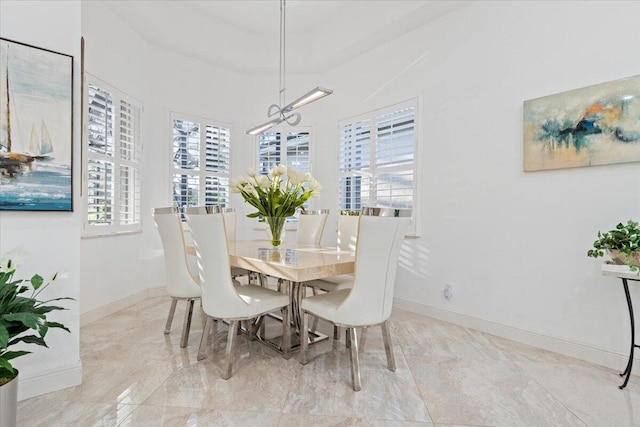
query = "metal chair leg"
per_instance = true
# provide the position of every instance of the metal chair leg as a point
(204, 341)
(336, 333)
(187, 323)
(347, 337)
(231, 342)
(363, 339)
(172, 311)
(388, 346)
(286, 332)
(304, 339)
(355, 362)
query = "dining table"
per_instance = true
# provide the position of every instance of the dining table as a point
(292, 264)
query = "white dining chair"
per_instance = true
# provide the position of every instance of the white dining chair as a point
(230, 229)
(311, 226)
(222, 300)
(181, 285)
(369, 301)
(346, 241)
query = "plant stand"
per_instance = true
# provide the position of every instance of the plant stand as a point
(623, 272)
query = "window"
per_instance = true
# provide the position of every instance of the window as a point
(293, 153)
(113, 153)
(201, 161)
(377, 159)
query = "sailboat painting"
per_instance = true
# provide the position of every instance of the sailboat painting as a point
(36, 128)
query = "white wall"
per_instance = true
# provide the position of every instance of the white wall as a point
(513, 244)
(52, 239)
(164, 82)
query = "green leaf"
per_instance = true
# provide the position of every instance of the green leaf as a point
(6, 365)
(29, 339)
(4, 336)
(36, 281)
(58, 325)
(13, 354)
(30, 320)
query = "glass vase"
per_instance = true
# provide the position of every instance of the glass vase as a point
(275, 229)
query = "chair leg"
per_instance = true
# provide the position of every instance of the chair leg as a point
(304, 339)
(388, 346)
(355, 362)
(286, 332)
(172, 311)
(231, 342)
(336, 332)
(363, 339)
(187, 323)
(204, 341)
(347, 338)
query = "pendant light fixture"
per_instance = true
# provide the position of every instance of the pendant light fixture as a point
(282, 113)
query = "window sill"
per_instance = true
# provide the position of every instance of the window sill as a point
(110, 234)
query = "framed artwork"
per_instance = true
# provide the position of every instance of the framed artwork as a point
(36, 128)
(595, 125)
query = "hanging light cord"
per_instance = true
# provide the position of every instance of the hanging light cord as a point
(282, 53)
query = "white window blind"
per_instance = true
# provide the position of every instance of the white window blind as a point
(377, 159)
(201, 150)
(113, 152)
(287, 146)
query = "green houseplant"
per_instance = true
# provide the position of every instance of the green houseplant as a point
(622, 244)
(23, 319)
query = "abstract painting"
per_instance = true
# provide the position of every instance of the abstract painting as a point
(596, 125)
(36, 128)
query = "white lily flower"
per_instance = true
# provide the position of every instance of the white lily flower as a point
(281, 169)
(264, 182)
(16, 256)
(315, 186)
(58, 276)
(308, 178)
(251, 172)
(294, 177)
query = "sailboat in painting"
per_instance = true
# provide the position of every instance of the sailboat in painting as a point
(40, 143)
(35, 106)
(11, 163)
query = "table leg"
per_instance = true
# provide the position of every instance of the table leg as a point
(627, 370)
(295, 290)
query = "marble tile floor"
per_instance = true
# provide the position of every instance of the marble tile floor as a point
(446, 375)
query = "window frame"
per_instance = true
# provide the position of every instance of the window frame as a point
(118, 96)
(284, 129)
(202, 172)
(373, 169)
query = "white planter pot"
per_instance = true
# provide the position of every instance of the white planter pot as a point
(8, 403)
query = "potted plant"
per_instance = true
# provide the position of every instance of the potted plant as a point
(23, 318)
(621, 243)
(273, 201)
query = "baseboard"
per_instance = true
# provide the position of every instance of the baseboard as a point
(569, 348)
(49, 381)
(106, 310)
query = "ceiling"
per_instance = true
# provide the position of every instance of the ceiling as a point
(244, 35)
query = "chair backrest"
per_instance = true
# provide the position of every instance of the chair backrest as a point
(230, 222)
(377, 253)
(311, 226)
(219, 298)
(209, 209)
(180, 283)
(348, 232)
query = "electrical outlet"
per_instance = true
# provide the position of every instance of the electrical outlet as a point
(448, 291)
